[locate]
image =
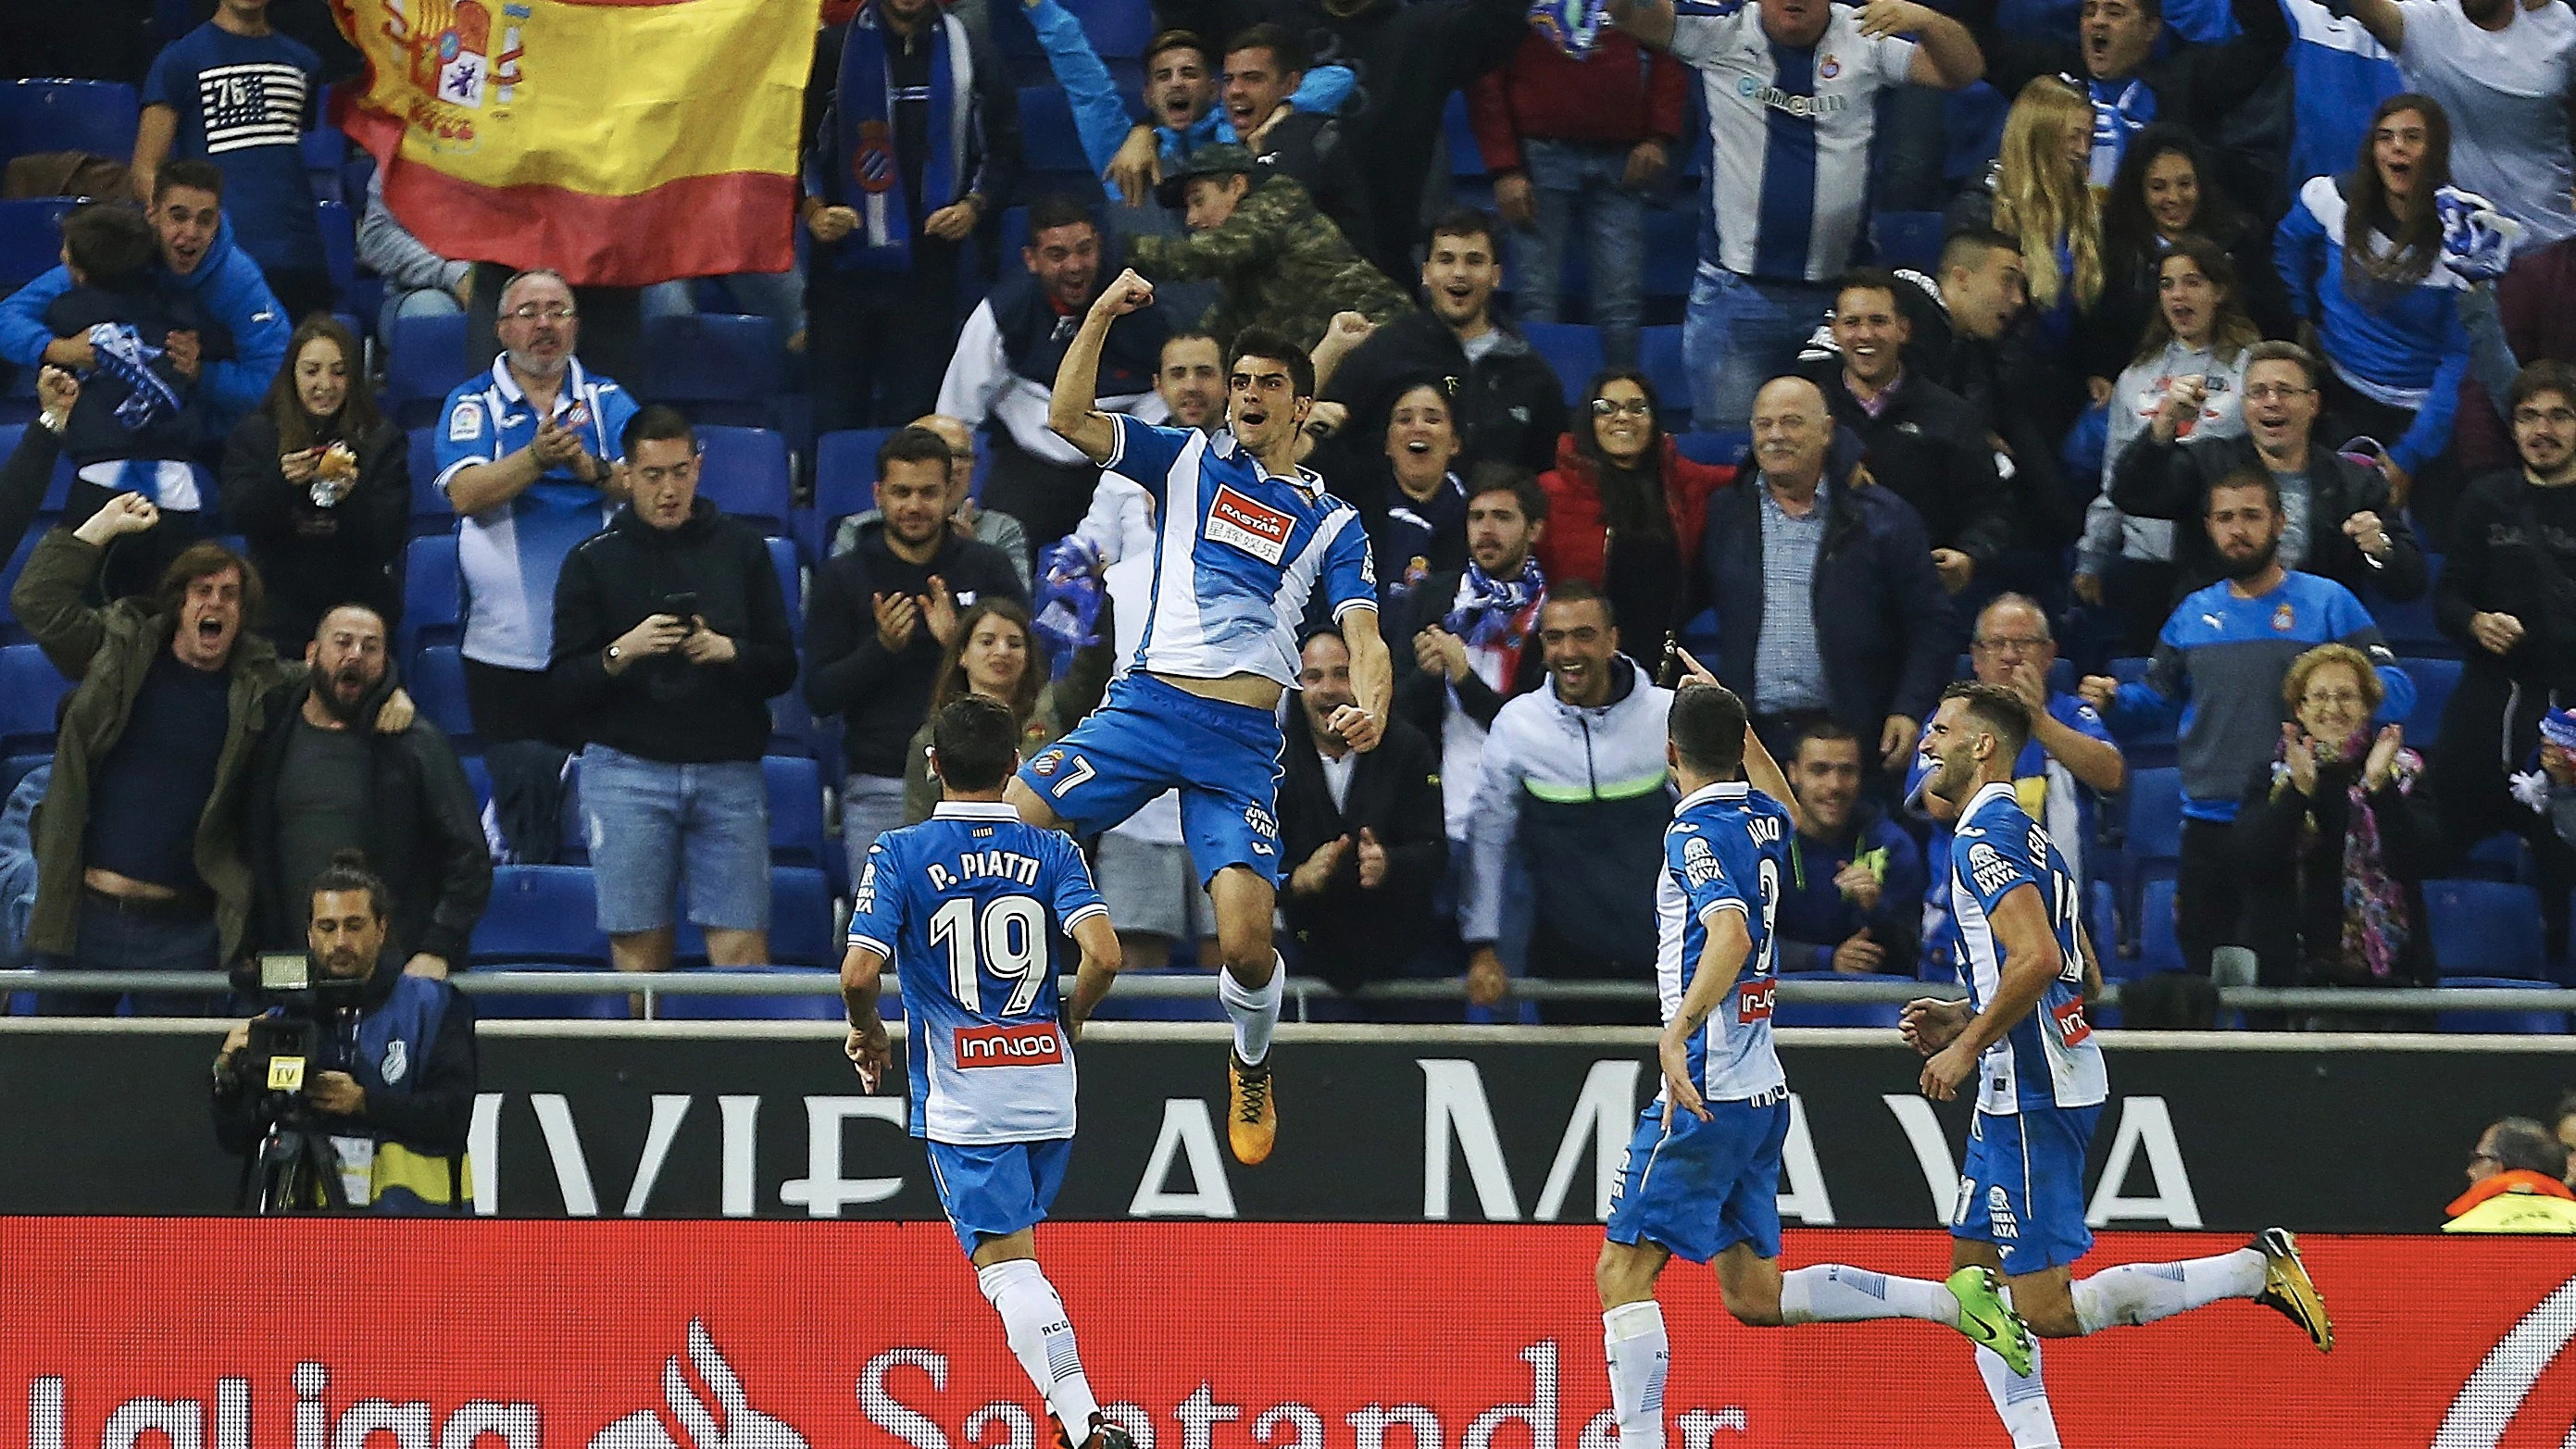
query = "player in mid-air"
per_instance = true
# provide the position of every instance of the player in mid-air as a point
(972, 902)
(2022, 1028)
(1242, 538)
(1702, 1178)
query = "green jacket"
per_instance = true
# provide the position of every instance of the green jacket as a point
(108, 652)
(1280, 263)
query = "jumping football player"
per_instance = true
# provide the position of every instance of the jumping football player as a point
(2022, 1029)
(972, 902)
(1243, 536)
(1702, 1177)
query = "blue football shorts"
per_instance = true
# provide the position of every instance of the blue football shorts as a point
(1702, 1187)
(2023, 1186)
(1150, 737)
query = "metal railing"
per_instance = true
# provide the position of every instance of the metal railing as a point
(716, 981)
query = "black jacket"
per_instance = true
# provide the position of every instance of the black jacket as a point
(1883, 625)
(1352, 936)
(882, 695)
(312, 559)
(2502, 561)
(1316, 150)
(669, 709)
(24, 476)
(2169, 480)
(2294, 883)
(1927, 447)
(1422, 695)
(432, 1118)
(1509, 407)
(154, 312)
(424, 836)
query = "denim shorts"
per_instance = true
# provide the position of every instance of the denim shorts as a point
(650, 825)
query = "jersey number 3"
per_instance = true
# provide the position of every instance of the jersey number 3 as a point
(1008, 938)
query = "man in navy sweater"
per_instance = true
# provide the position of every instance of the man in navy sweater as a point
(1853, 901)
(2220, 661)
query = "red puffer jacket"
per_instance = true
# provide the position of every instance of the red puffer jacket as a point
(1577, 542)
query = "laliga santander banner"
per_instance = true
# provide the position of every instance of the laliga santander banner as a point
(368, 1334)
(621, 142)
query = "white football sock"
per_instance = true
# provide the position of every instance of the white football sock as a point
(1255, 1011)
(2021, 1401)
(1834, 1293)
(2137, 1293)
(1041, 1338)
(1632, 1335)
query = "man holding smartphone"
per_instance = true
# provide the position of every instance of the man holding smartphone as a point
(671, 635)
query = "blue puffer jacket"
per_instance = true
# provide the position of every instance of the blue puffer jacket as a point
(229, 289)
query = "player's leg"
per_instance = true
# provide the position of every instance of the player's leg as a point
(2020, 1396)
(995, 1195)
(1033, 808)
(1653, 1209)
(1102, 772)
(2267, 1271)
(1250, 986)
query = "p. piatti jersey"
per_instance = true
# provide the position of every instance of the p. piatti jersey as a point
(1789, 131)
(969, 906)
(2048, 1058)
(1237, 553)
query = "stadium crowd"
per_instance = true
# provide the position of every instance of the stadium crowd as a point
(2203, 374)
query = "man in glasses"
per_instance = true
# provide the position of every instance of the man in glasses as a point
(2338, 521)
(527, 456)
(1923, 442)
(2517, 1183)
(2503, 596)
(2066, 766)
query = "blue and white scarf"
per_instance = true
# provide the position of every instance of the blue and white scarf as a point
(124, 355)
(1488, 613)
(865, 102)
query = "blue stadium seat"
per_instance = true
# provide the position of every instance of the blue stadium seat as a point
(429, 510)
(16, 767)
(791, 585)
(29, 688)
(433, 594)
(424, 360)
(9, 630)
(1727, 448)
(326, 160)
(436, 679)
(845, 481)
(1121, 1006)
(2409, 627)
(671, 1005)
(800, 922)
(31, 239)
(2501, 856)
(339, 253)
(2158, 947)
(1832, 1013)
(2155, 817)
(1659, 357)
(1118, 29)
(2499, 1023)
(1572, 349)
(68, 115)
(795, 810)
(746, 473)
(2130, 669)
(718, 367)
(543, 918)
(1047, 131)
(1909, 239)
(1672, 251)
(2486, 928)
(2434, 680)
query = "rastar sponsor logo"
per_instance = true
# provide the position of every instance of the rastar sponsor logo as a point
(1249, 524)
(1036, 1045)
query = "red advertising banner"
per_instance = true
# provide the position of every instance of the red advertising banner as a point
(360, 1334)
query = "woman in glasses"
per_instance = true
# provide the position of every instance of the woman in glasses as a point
(1625, 508)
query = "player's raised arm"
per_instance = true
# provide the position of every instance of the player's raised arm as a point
(1097, 939)
(1070, 413)
(1651, 21)
(1729, 942)
(1763, 773)
(2030, 961)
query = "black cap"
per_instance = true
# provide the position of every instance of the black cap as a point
(1222, 158)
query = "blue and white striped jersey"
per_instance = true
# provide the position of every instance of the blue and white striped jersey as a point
(1237, 552)
(2049, 1058)
(1790, 132)
(969, 905)
(1725, 851)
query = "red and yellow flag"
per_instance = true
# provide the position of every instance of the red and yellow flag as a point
(621, 142)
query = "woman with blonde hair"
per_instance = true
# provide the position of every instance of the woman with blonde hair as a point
(2039, 194)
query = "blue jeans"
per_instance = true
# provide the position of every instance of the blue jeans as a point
(1739, 334)
(111, 937)
(427, 302)
(647, 819)
(1568, 177)
(778, 296)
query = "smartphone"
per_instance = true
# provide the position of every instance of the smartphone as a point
(682, 606)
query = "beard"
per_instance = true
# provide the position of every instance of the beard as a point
(2240, 568)
(344, 695)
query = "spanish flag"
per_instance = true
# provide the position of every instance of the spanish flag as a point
(620, 142)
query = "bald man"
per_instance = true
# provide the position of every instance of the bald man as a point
(1875, 662)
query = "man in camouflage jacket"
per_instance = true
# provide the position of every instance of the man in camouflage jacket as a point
(1277, 260)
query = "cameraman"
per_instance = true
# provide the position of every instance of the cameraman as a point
(395, 1109)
